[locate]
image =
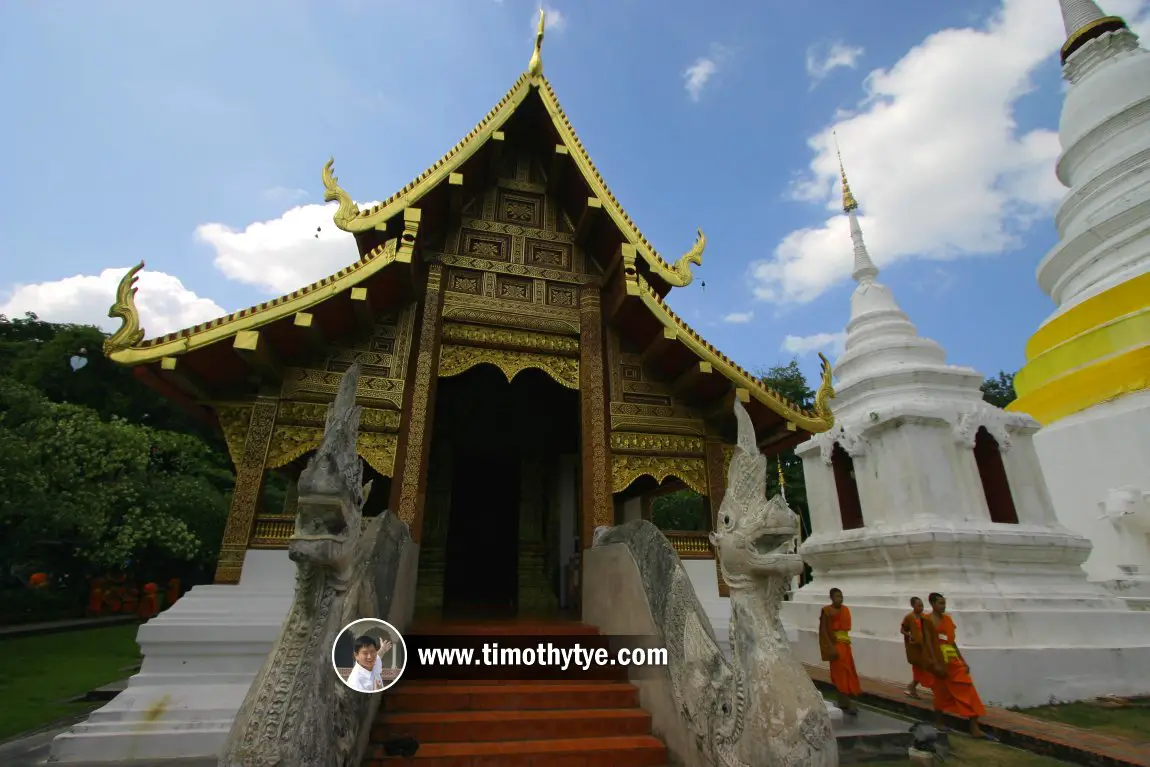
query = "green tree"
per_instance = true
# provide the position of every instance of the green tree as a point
(999, 390)
(81, 494)
(40, 354)
(683, 510)
(789, 381)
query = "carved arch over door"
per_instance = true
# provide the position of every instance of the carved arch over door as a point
(455, 359)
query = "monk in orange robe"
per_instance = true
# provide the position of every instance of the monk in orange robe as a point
(954, 691)
(835, 648)
(916, 656)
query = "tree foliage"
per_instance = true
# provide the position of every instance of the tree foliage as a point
(99, 474)
(999, 390)
(683, 510)
(687, 510)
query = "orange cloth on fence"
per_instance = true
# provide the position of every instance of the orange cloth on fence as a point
(835, 647)
(149, 604)
(954, 691)
(916, 654)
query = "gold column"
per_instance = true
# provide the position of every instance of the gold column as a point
(716, 488)
(409, 493)
(245, 499)
(596, 507)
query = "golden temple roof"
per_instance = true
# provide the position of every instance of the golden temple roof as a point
(350, 218)
(818, 420)
(127, 346)
(131, 349)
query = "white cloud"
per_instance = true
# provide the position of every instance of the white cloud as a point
(284, 254)
(165, 305)
(824, 59)
(739, 318)
(698, 74)
(933, 155)
(803, 345)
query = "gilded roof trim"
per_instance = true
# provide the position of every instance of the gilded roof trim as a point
(815, 421)
(351, 219)
(207, 333)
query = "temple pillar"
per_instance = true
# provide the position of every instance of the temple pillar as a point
(249, 483)
(595, 492)
(409, 493)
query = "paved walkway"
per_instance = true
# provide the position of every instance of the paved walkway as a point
(1060, 741)
(55, 627)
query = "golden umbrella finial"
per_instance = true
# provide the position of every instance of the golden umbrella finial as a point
(535, 66)
(849, 202)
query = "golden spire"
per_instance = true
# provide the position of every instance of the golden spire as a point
(535, 66)
(849, 202)
(782, 481)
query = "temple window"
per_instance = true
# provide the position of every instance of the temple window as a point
(995, 484)
(850, 506)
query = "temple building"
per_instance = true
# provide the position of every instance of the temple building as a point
(523, 382)
(1087, 375)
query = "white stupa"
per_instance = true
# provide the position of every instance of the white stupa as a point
(1087, 376)
(922, 486)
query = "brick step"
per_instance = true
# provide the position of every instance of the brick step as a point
(478, 726)
(510, 697)
(504, 682)
(633, 751)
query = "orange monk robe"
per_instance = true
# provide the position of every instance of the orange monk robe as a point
(916, 654)
(954, 691)
(835, 647)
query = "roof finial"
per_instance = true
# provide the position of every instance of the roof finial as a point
(535, 66)
(849, 202)
(865, 270)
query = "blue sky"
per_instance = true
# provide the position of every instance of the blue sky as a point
(192, 136)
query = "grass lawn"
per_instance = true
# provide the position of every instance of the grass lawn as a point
(981, 753)
(1132, 723)
(39, 674)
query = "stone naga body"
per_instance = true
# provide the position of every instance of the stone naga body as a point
(760, 708)
(297, 712)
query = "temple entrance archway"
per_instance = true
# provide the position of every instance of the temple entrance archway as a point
(500, 518)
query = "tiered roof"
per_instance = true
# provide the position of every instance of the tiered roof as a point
(385, 274)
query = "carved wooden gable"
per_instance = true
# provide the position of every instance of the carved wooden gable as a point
(382, 354)
(640, 399)
(512, 260)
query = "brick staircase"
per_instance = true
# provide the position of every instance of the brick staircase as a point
(475, 723)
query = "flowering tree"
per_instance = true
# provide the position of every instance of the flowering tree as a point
(81, 494)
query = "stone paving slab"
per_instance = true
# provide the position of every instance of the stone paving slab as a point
(1061, 741)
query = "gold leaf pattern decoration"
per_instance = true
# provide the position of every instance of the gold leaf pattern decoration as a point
(625, 469)
(290, 442)
(662, 444)
(234, 420)
(454, 360)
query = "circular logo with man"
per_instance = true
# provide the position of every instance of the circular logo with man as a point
(369, 655)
